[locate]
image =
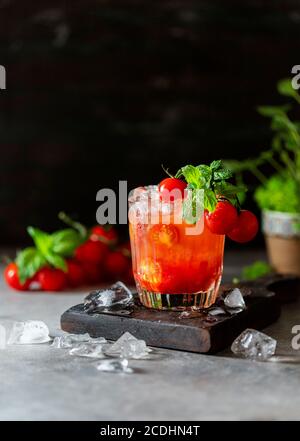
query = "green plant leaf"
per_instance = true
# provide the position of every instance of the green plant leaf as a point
(192, 175)
(64, 242)
(210, 200)
(285, 88)
(29, 261)
(42, 240)
(56, 261)
(256, 270)
(272, 111)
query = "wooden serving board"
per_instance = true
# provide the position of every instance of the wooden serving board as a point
(199, 333)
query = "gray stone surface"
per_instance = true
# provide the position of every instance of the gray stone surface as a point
(42, 383)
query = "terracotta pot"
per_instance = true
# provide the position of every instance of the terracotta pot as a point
(282, 234)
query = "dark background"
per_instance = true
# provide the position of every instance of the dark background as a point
(103, 90)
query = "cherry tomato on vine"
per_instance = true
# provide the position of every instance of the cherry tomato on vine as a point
(222, 219)
(11, 277)
(90, 251)
(169, 184)
(52, 279)
(75, 273)
(105, 234)
(117, 264)
(246, 227)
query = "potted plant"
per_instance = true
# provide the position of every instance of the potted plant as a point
(278, 193)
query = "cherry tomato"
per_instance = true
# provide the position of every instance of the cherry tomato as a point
(107, 235)
(169, 184)
(246, 227)
(164, 234)
(75, 273)
(12, 278)
(222, 219)
(90, 251)
(52, 279)
(117, 264)
(93, 272)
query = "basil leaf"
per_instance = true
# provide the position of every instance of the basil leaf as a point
(56, 261)
(42, 240)
(29, 261)
(64, 242)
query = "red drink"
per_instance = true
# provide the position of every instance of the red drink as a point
(172, 268)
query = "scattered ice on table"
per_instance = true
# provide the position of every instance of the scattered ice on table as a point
(68, 341)
(216, 311)
(88, 350)
(2, 337)
(254, 344)
(118, 296)
(114, 366)
(29, 332)
(235, 299)
(128, 346)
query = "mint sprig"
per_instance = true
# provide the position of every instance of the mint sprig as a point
(213, 180)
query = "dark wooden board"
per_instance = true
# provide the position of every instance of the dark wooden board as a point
(165, 329)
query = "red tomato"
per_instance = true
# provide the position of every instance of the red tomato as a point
(93, 272)
(169, 184)
(12, 278)
(105, 234)
(246, 227)
(52, 279)
(164, 234)
(90, 251)
(75, 273)
(117, 264)
(222, 219)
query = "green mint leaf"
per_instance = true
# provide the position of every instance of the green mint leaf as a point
(215, 165)
(227, 190)
(192, 175)
(256, 270)
(193, 206)
(222, 174)
(206, 175)
(210, 200)
(29, 261)
(64, 242)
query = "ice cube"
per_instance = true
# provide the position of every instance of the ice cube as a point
(2, 337)
(28, 333)
(128, 346)
(114, 366)
(118, 296)
(254, 344)
(235, 299)
(216, 310)
(88, 350)
(70, 340)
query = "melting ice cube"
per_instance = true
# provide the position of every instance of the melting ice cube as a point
(28, 333)
(118, 296)
(2, 337)
(70, 340)
(235, 299)
(114, 366)
(88, 350)
(254, 344)
(128, 346)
